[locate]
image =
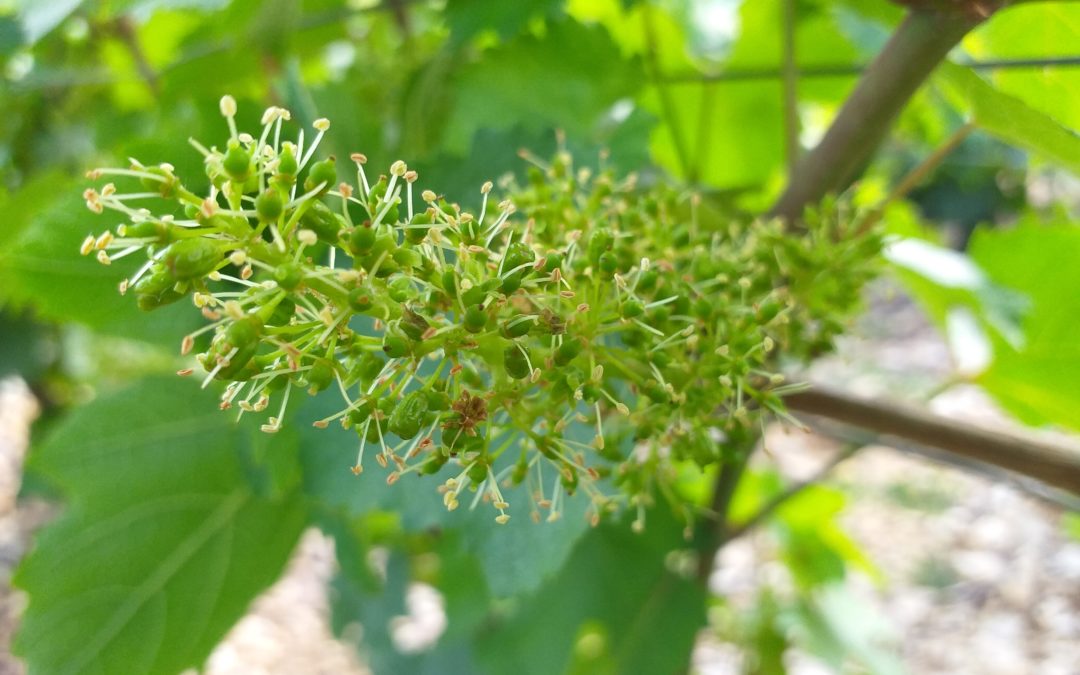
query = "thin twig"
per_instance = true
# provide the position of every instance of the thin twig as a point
(917, 174)
(792, 491)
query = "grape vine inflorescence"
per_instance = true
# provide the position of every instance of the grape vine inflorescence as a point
(487, 342)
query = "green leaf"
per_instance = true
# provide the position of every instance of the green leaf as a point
(1039, 380)
(568, 78)
(1009, 118)
(375, 601)
(1034, 30)
(42, 268)
(466, 18)
(840, 629)
(614, 608)
(516, 557)
(164, 541)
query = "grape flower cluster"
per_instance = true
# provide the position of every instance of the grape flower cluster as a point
(581, 334)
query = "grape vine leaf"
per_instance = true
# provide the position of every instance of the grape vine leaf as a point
(1009, 118)
(568, 78)
(516, 557)
(1038, 380)
(165, 539)
(466, 18)
(614, 607)
(42, 268)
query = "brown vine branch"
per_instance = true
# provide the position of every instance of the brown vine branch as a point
(919, 44)
(1056, 463)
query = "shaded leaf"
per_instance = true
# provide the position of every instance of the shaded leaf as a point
(163, 543)
(567, 78)
(614, 607)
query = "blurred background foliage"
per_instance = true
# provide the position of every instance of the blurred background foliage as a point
(686, 89)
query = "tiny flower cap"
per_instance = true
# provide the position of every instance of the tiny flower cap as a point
(358, 157)
(227, 106)
(321, 124)
(486, 188)
(398, 168)
(428, 196)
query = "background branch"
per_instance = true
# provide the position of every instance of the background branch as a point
(1054, 462)
(919, 44)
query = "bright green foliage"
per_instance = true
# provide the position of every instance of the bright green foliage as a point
(720, 300)
(1009, 118)
(158, 554)
(1039, 378)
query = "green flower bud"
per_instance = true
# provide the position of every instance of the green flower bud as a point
(362, 239)
(414, 234)
(567, 351)
(326, 224)
(516, 361)
(408, 415)
(288, 276)
(401, 289)
(287, 164)
(241, 336)
(360, 299)
(361, 413)
(632, 308)
(438, 400)
(516, 326)
(599, 243)
(608, 263)
(269, 205)
(321, 375)
(478, 473)
(475, 318)
(517, 254)
(324, 172)
(396, 345)
(192, 258)
(435, 462)
(406, 257)
(237, 162)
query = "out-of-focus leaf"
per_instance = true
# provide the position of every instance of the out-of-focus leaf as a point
(614, 608)
(815, 548)
(767, 640)
(1009, 118)
(841, 630)
(39, 18)
(164, 542)
(27, 348)
(568, 78)
(466, 18)
(1039, 380)
(43, 269)
(1030, 31)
